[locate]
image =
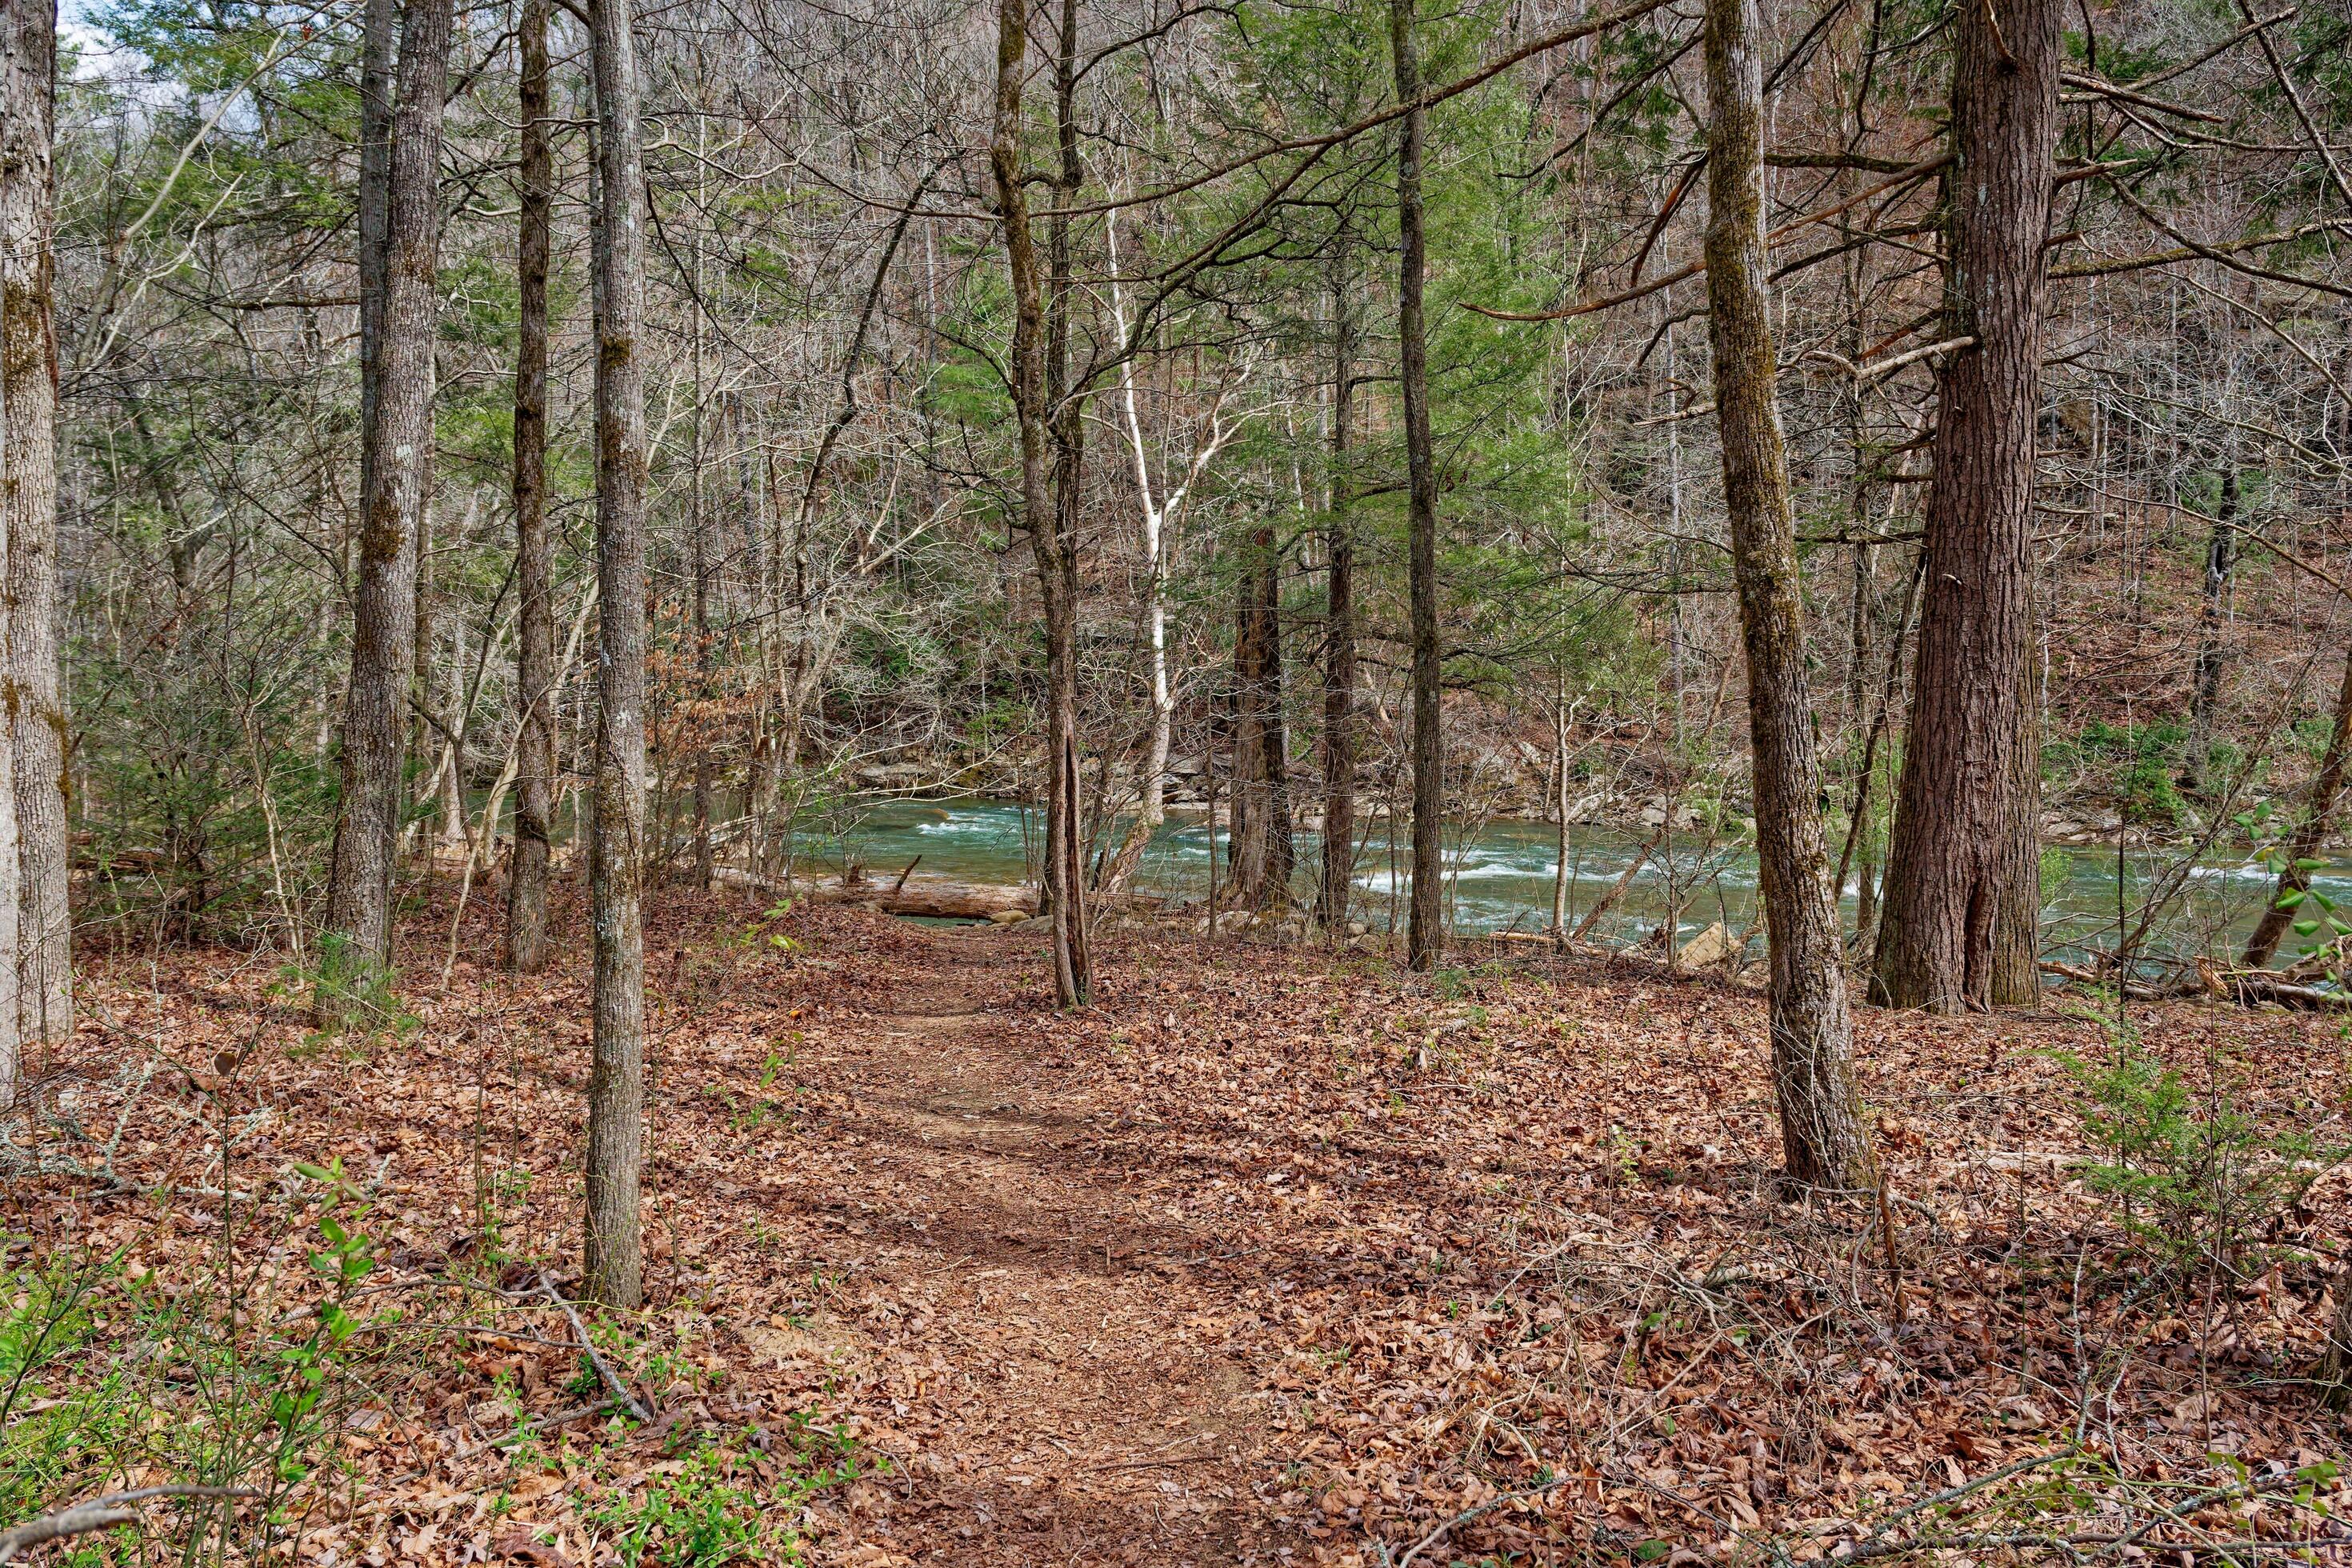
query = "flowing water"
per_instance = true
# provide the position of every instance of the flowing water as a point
(1499, 876)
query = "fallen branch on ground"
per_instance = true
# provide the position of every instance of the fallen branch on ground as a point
(101, 1514)
(621, 1391)
(2243, 986)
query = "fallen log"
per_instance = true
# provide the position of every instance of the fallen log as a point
(911, 896)
(2245, 987)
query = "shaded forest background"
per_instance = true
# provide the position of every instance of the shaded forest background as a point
(839, 598)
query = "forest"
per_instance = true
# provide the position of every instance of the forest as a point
(1190, 782)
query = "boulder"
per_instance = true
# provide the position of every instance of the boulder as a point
(1710, 949)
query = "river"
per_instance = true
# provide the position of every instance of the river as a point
(1499, 876)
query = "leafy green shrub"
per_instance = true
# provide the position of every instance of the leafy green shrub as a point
(353, 986)
(2191, 1173)
(106, 1373)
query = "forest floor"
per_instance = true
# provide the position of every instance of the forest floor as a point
(1274, 1256)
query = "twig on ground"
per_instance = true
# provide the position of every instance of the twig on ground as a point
(588, 1348)
(101, 1514)
(1467, 1514)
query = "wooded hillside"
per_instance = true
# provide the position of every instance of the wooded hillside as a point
(1388, 577)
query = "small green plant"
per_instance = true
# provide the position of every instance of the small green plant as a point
(2320, 921)
(2193, 1175)
(704, 1515)
(762, 932)
(54, 1430)
(351, 991)
(713, 1508)
(2138, 760)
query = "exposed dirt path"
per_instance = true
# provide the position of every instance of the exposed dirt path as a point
(1078, 1419)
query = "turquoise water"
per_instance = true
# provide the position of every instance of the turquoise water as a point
(1499, 876)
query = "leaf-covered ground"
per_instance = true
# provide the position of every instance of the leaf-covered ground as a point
(1274, 1256)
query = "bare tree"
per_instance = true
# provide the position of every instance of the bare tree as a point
(535, 631)
(1425, 934)
(1053, 548)
(28, 513)
(10, 866)
(1822, 1131)
(1159, 508)
(1339, 868)
(1962, 886)
(614, 1263)
(395, 481)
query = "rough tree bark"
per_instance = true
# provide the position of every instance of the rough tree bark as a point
(1962, 889)
(1822, 1131)
(1065, 888)
(10, 869)
(1067, 837)
(2310, 831)
(2213, 612)
(28, 513)
(534, 555)
(1425, 936)
(2336, 1363)
(398, 444)
(1339, 868)
(614, 1269)
(379, 21)
(1264, 853)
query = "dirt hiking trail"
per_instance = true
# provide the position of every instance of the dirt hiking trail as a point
(1079, 1419)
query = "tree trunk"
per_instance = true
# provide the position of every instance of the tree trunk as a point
(1339, 869)
(1560, 875)
(2213, 609)
(378, 23)
(1821, 1131)
(1065, 888)
(1066, 831)
(1246, 845)
(2336, 1363)
(614, 1260)
(534, 557)
(1860, 753)
(2310, 832)
(1282, 848)
(1152, 808)
(697, 732)
(1961, 891)
(1425, 936)
(395, 483)
(11, 1061)
(28, 513)
(1860, 608)
(1264, 853)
